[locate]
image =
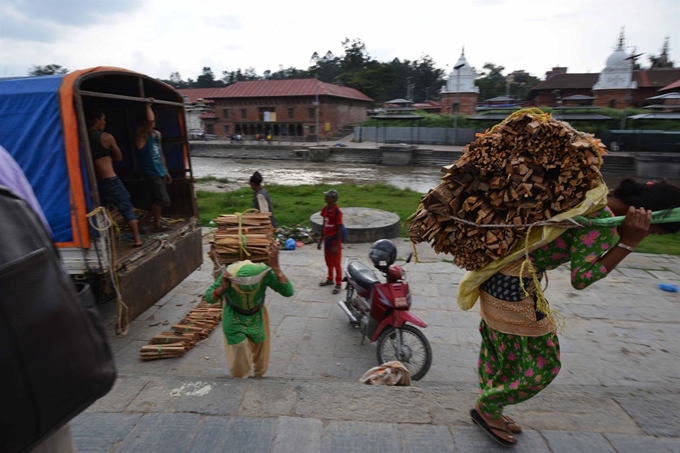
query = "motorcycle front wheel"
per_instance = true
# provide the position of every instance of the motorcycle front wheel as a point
(415, 352)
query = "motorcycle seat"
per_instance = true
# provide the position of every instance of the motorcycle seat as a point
(362, 274)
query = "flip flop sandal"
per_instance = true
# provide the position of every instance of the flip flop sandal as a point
(479, 420)
(337, 289)
(326, 283)
(512, 425)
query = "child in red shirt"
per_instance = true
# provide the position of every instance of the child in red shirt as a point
(331, 236)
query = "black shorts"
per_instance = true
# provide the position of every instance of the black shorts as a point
(158, 191)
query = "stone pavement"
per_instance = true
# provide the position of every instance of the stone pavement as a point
(618, 390)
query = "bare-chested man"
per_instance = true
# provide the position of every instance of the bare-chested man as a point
(111, 189)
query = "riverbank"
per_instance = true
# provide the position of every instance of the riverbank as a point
(346, 151)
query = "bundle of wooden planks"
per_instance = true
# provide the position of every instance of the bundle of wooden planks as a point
(185, 334)
(525, 170)
(243, 237)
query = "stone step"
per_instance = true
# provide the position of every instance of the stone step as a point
(593, 409)
(178, 414)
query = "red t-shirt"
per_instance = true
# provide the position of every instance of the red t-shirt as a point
(332, 219)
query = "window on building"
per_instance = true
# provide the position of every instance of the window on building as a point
(291, 113)
(312, 130)
(612, 103)
(244, 113)
(210, 129)
(312, 112)
(225, 113)
(266, 114)
(226, 130)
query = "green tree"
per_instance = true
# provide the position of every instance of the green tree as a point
(49, 69)
(491, 81)
(207, 79)
(356, 57)
(426, 78)
(520, 83)
(176, 81)
(282, 74)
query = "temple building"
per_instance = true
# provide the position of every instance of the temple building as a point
(618, 86)
(460, 92)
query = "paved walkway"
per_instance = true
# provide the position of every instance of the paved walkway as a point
(618, 390)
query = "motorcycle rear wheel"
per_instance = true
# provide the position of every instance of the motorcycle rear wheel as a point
(416, 354)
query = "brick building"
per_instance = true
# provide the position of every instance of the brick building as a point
(283, 108)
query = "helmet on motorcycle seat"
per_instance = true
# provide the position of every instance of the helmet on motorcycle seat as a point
(383, 254)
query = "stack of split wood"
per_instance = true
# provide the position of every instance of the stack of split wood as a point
(525, 170)
(195, 326)
(242, 237)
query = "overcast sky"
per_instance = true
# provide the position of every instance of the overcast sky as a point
(157, 37)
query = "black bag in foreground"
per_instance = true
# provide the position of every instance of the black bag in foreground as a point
(54, 357)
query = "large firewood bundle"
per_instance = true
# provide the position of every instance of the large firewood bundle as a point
(525, 170)
(242, 237)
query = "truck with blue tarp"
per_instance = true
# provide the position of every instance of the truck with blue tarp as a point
(43, 126)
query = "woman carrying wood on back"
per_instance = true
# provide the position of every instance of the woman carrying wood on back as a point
(520, 353)
(245, 320)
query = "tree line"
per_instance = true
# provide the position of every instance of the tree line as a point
(417, 80)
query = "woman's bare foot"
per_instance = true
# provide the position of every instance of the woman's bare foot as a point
(499, 427)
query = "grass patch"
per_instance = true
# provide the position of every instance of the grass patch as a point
(294, 205)
(668, 244)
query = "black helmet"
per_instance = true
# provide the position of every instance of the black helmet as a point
(383, 254)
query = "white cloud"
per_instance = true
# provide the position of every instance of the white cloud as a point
(158, 37)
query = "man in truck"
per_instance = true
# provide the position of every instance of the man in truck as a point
(148, 144)
(111, 189)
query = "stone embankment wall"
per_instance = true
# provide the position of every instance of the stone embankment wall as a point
(623, 163)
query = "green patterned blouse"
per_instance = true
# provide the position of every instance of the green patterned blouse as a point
(582, 247)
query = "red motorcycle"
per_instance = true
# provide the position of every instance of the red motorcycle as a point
(381, 310)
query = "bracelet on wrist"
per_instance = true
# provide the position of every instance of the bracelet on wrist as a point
(626, 247)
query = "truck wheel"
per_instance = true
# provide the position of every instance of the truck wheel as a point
(415, 352)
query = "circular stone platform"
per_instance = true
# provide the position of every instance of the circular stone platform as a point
(363, 224)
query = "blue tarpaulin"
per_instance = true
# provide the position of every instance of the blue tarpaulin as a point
(32, 130)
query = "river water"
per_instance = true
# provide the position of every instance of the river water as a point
(292, 172)
(289, 172)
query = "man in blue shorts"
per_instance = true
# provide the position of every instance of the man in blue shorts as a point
(111, 189)
(148, 143)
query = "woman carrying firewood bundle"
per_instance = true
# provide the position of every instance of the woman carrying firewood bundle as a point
(245, 319)
(520, 352)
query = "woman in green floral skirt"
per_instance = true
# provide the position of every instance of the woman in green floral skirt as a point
(520, 353)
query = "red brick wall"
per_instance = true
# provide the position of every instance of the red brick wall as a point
(340, 112)
(604, 98)
(547, 98)
(336, 111)
(468, 102)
